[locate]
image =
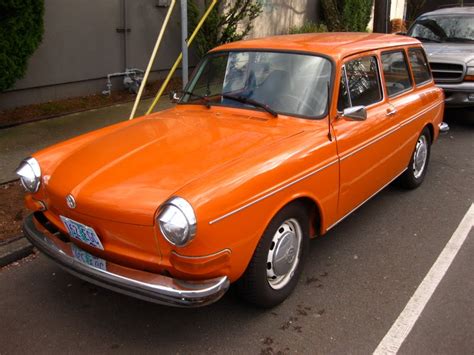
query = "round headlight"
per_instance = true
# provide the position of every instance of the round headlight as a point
(177, 221)
(30, 174)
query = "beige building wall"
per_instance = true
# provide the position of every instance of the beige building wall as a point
(397, 9)
(279, 15)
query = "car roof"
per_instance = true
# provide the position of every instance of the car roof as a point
(333, 44)
(451, 11)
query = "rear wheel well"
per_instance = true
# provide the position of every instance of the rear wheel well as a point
(431, 130)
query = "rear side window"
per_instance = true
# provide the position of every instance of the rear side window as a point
(363, 83)
(419, 66)
(395, 72)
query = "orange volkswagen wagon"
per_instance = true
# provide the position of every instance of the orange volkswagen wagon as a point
(273, 142)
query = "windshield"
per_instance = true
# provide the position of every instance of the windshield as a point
(286, 83)
(453, 28)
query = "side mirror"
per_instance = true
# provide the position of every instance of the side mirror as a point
(174, 97)
(355, 113)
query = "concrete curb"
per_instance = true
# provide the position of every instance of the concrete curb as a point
(15, 250)
(62, 114)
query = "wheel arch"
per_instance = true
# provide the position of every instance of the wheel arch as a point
(431, 130)
(314, 212)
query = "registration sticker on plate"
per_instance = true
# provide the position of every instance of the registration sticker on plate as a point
(82, 233)
(88, 259)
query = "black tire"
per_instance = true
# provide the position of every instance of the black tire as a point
(255, 286)
(412, 178)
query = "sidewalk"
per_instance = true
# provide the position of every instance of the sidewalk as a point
(19, 142)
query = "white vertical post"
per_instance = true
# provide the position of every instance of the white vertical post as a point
(184, 38)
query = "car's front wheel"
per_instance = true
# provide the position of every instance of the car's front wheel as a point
(278, 259)
(418, 165)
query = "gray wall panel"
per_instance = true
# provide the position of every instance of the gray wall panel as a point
(81, 45)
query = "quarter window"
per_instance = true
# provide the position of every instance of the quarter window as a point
(419, 66)
(395, 71)
(363, 82)
(343, 100)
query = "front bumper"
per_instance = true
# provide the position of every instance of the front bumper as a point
(136, 283)
(458, 95)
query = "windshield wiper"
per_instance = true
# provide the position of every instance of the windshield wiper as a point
(204, 99)
(246, 100)
(424, 39)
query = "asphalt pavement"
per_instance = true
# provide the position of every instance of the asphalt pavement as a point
(357, 281)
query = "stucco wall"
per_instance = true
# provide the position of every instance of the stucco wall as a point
(279, 15)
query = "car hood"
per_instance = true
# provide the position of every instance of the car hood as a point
(449, 52)
(125, 175)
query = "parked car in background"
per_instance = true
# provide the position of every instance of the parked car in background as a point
(273, 142)
(448, 38)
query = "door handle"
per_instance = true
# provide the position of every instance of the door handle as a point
(391, 111)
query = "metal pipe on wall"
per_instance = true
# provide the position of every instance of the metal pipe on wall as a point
(184, 37)
(125, 28)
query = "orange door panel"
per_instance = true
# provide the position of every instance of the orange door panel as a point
(368, 150)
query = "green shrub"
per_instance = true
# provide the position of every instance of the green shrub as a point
(21, 31)
(308, 27)
(356, 14)
(227, 22)
(347, 15)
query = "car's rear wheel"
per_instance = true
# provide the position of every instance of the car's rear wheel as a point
(418, 165)
(278, 259)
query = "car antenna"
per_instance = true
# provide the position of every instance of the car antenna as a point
(329, 116)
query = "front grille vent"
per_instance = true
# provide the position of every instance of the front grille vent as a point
(447, 72)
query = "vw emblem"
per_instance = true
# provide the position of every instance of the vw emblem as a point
(71, 202)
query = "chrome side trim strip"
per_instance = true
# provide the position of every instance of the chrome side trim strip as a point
(273, 192)
(328, 165)
(414, 117)
(370, 143)
(393, 130)
(355, 208)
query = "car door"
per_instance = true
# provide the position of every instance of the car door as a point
(366, 148)
(402, 105)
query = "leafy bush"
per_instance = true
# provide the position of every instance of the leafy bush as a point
(21, 31)
(347, 15)
(227, 22)
(308, 27)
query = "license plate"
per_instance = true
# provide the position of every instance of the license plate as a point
(82, 233)
(89, 259)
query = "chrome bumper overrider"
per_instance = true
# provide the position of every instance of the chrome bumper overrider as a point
(140, 284)
(443, 128)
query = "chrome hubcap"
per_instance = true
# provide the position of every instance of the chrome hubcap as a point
(284, 254)
(420, 156)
